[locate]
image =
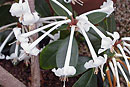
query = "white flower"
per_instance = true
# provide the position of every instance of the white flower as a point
(16, 10)
(107, 7)
(17, 33)
(12, 56)
(125, 38)
(3, 45)
(93, 64)
(107, 42)
(32, 51)
(68, 71)
(97, 61)
(30, 18)
(84, 23)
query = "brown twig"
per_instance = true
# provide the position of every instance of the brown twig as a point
(35, 69)
(8, 80)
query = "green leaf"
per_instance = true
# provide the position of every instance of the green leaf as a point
(48, 55)
(80, 66)
(5, 15)
(61, 53)
(109, 24)
(88, 79)
(96, 17)
(58, 10)
(42, 8)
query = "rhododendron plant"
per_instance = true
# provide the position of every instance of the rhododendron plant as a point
(66, 30)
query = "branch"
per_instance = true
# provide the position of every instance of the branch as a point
(35, 69)
(8, 80)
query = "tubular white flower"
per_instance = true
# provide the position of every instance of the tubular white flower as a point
(119, 55)
(33, 51)
(124, 56)
(97, 61)
(16, 10)
(30, 18)
(121, 69)
(53, 18)
(97, 30)
(125, 49)
(30, 48)
(68, 54)
(17, 33)
(93, 53)
(50, 35)
(107, 42)
(116, 72)
(115, 36)
(127, 45)
(3, 45)
(126, 38)
(42, 28)
(62, 72)
(107, 8)
(63, 7)
(44, 35)
(112, 68)
(83, 20)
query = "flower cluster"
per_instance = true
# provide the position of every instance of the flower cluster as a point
(117, 46)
